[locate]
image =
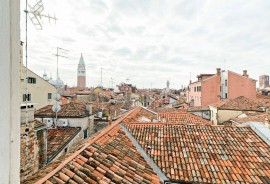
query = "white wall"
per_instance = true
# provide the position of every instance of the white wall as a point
(224, 89)
(10, 91)
(213, 114)
(225, 115)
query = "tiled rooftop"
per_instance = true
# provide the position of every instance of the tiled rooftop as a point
(252, 117)
(108, 158)
(198, 108)
(181, 118)
(239, 103)
(205, 154)
(39, 124)
(139, 113)
(184, 153)
(72, 109)
(59, 137)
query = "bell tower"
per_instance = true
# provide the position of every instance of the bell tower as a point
(81, 74)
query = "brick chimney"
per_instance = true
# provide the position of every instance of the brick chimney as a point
(218, 71)
(245, 73)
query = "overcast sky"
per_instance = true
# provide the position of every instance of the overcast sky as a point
(151, 42)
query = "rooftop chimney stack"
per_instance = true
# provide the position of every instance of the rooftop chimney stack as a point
(245, 73)
(218, 71)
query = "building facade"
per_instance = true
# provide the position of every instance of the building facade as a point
(81, 74)
(225, 84)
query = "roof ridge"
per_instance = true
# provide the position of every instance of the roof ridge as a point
(89, 142)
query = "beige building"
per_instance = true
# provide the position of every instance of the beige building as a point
(40, 91)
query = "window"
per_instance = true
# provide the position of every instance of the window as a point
(85, 133)
(195, 89)
(32, 80)
(26, 97)
(226, 95)
(49, 96)
(226, 82)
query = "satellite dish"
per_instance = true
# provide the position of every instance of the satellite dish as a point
(56, 108)
(56, 96)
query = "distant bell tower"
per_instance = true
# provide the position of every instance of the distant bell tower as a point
(81, 74)
(168, 86)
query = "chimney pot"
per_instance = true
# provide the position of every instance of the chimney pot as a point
(218, 71)
(245, 73)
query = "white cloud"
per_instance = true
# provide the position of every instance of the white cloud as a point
(151, 41)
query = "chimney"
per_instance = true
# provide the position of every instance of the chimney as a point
(89, 108)
(245, 73)
(218, 71)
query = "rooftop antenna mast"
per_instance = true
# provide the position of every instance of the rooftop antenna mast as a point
(58, 55)
(127, 89)
(101, 88)
(35, 15)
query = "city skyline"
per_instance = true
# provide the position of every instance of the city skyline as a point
(150, 42)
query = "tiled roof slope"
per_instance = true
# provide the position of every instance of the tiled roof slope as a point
(72, 109)
(198, 108)
(110, 157)
(39, 124)
(116, 161)
(181, 118)
(59, 137)
(239, 103)
(205, 154)
(252, 117)
(138, 113)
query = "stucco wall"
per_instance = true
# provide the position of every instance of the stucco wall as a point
(214, 114)
(196, 95)
(39, 91)
(225, 115)
(10, 87)
(240, 86)
(211, 90)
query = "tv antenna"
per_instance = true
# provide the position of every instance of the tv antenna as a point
(101, 88)
(58, 55)
(56, 107)
(35, 15)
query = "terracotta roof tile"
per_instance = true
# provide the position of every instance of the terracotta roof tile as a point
(252, 117)
(239, 103)
(59, 137)
(72, 109)
(181, 118)
(205, 153)
(101, 161)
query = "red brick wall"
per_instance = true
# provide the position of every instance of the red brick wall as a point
(240, 86)
(211, 90)
(81, 82)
